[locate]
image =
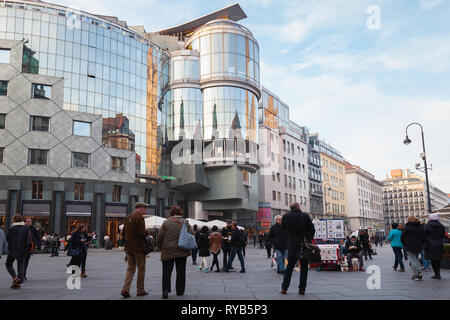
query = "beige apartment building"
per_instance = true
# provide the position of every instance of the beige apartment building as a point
(333, 182)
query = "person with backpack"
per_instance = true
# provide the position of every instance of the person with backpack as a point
(18, 246)
(34, 242)
(171, 253)
(237, 242)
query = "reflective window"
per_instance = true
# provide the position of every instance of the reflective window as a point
(42, 91)
(4, 55)
(205, 47)
(37, 156)
(3, 88)
(80, 160)
(217, 42)
(1, 154)
(40, 123)
(2, 121)
(118, 164)
(229, 42)
(81, 128)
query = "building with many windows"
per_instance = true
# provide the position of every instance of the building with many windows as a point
(315, 177)
(94, 111)
(283, 155)
(364, 200)
(404, 195)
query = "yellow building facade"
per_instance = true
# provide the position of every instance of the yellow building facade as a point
(333, 182)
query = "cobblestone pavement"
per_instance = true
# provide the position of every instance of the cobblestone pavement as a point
(106, 269)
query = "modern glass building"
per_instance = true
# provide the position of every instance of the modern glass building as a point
(136, 95)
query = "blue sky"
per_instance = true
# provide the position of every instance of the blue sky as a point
(358, 88)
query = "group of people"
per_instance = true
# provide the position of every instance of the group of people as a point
(20, 241)
(414, 239)
(231, 240)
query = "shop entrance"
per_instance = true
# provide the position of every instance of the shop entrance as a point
(114, 217)
(73, 221)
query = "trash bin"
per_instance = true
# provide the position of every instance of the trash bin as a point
(108, 244)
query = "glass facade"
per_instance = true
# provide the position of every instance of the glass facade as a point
(107, 70)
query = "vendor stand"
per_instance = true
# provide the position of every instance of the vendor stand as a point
(329, 237)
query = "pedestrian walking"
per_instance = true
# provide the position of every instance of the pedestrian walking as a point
(237, 242)
(3, 243)
(366, 246)
(171, 253)
(261, 240)
(354, 248)
(434, 243)
(413, 239)
(76, 244)
(134, 234)
(215, 244)
(203, 248)
(254, 239)
(54, 245)
(397, 246)
(18, 246)
(226, 242)
(246, 242)
(268, 245)
(34, 241)
(84, 252)
(195, 251)
(377, 240)
(279, 238)
(300, 229)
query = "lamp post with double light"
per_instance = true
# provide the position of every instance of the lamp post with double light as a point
(407, 141)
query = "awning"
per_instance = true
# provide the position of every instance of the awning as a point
(80, 210)
(36, 209)
(116, 211)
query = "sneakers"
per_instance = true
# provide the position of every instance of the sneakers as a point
(125, 294)
(207, 270)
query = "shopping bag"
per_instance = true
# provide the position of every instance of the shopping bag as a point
(186, 240)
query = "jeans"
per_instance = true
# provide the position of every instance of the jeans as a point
(350, 256)
(405, 254)
(415, 263)
(194, 255)
(281, 255)
(20, 267)
(398, 258)
(226, 254)
(288, 273)
(54, 251)
(180, 265)
(425, 262)
(367, 251)
(234, 251)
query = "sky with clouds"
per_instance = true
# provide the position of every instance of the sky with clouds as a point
(358, 87)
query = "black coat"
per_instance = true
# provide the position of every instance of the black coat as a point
(75, 241)
(35, 236)
(299, 228)
(349, 244)
(203, 245)
(434, 240)
(364, 239)
(226, 236)
(279, 237)
(413, 237)
(17, 237)
(237, 238)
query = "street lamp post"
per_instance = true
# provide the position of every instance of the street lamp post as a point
(325, 196)
(407, 141)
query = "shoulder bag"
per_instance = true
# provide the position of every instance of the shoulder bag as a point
(186, 240)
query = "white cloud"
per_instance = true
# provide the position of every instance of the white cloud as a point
(430, 4)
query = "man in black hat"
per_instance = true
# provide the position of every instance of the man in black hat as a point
(226, 242)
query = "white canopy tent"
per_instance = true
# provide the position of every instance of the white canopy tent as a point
(220, 224)
(199, 223)
(154, 222)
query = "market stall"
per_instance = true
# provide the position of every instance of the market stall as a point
(329, 237)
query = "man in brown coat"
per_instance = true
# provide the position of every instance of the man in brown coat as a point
(133, 233)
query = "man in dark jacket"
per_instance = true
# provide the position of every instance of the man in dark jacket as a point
(364, 239)
(237, 242)
(226, 242)
(413, 239)
(434, 243)
(279, 238)
(36, 241)
(300, 229)
(17, 237)
(353, 248)
(133, 233)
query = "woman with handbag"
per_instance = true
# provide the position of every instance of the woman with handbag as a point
(203, 248)
(171, 253)
(77, 242)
